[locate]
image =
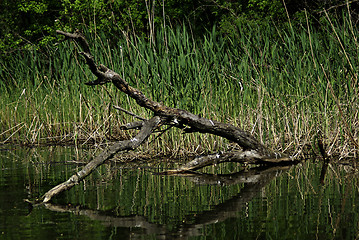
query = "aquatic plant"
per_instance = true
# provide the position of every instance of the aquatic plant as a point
(288, 85)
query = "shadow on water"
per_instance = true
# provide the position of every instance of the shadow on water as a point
(130, 201)
(254, 179)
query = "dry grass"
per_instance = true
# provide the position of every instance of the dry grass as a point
(288, 87)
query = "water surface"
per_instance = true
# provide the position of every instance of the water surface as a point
(129, 201)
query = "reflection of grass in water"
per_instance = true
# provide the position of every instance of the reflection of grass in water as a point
(279, 84)
(293, 204)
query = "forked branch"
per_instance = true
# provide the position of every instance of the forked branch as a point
(146, 130)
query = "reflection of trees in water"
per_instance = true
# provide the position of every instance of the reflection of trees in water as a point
(254, 180)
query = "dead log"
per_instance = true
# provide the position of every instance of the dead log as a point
(253, 150)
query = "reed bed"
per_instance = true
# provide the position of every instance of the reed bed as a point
(288, 85)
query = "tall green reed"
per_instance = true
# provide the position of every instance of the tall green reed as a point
(278, 82)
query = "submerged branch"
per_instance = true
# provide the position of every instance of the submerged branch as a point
(146, 130)
(247, 157)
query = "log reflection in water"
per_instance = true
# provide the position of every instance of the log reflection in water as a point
(254, 180)
(253, 175)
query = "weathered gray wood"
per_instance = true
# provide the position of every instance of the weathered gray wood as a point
(132, 125)
(146, 130)
(246, 157)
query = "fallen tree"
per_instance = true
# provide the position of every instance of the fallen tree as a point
(252, 151)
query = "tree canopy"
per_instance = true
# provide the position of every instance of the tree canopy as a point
(33, 23)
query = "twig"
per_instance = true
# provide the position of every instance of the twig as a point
(338, 5)
(129, 113)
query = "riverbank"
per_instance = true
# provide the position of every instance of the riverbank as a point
(289, 86)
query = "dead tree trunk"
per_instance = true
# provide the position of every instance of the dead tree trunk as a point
(253, 151)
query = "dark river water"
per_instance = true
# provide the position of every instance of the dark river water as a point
(130, 201)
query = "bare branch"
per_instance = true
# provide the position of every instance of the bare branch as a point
(80, 38)
(247, 157)
(128, 112)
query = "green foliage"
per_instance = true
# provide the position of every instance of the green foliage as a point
(274, 81)
(24, 23)
(32, 7)
(266, 9)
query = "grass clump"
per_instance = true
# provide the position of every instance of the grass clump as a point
(288, 85)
